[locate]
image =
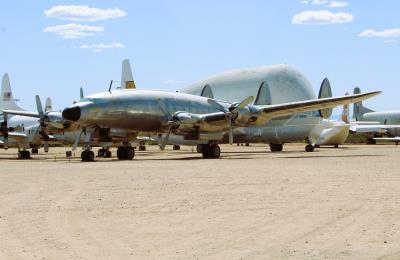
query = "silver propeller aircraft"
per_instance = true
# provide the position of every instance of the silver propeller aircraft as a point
(192, 117)
(383, 125)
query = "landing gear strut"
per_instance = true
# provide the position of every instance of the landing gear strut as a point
(125, 153)
(104, 152)
(211, 151)
(24, 155)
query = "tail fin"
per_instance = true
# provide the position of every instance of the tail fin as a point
(81, 95)
(48, 105)
(358, 109)
(345, 112)
(325, 91)
(126, 76)
(7, 100)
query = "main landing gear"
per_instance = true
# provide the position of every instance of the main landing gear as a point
(125, 153)
(276, 147)
(87, 155)
(309, 148)
(24, 154)
(35, 151)
(176, 147)
(209, 151)
(104, 152)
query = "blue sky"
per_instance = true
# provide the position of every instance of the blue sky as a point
(174, 43)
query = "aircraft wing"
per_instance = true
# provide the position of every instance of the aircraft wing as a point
(377, 128)
(272, 111)
(21, 113)
(394, 139)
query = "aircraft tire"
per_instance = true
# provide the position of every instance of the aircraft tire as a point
(371, 141)
(206, 151)
(309, 148)
(199, 148)
(125, 153)
(35, 151)
(276, 147)
(215, 151)
(87, 156)
(24, 155)
(176, 147)
(142, 148)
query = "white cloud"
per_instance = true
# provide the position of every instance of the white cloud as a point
(82, 13)
(337, 4)
(319, 2)
(395, 32)
(100, 46)
(390, 41)
(322, 17)
(74, 31)
(304, 2)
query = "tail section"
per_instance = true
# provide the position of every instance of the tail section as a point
(7, 100)
(358, 109)
(325, 91)
(49, 105)
(126, 76)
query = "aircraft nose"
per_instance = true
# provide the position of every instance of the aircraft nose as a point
(72, 113)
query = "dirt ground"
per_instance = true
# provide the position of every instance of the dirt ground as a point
(250, 204)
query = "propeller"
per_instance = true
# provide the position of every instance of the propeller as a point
(43, 121)
(4, 130)
(231, 112)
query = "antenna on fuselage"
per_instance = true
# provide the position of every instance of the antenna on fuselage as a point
(109, 89)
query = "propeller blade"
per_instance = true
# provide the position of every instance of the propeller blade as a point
(230, 132)
(39, 107)
(245, 102)
(215, 104)
(164, 141)
(164, 109)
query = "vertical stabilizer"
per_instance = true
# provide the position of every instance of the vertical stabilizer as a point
(7, 100)
(126, 76)
(49, 105)
(81, 95)
(358, 109)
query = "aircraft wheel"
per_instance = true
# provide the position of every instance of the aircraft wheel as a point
(336, 146)
(142, 148)
(35, 151)
(215, 151)
(87, 156)
(309, 148)
(206, 151)
(100, 153)
(24, 155)
(176, 147)
(125, 153)
(276, 147)
(371, 141)
(108, 154)
(199, 148)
